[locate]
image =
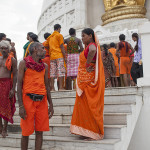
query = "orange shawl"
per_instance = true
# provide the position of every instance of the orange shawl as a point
(87, 118)
(8, 62)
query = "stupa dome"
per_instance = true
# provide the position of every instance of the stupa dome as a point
(69, 14)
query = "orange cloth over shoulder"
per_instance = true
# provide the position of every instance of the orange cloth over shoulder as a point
(47, 59)
(47, 50)
(113, 52)
(12, 54)
(53, 42)
(123, 52)
(87, 118)
(125, 61)
(8, 62)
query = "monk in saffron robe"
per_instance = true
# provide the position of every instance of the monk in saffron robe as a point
(113, 51)
(33, 93)
(47, 55)
(13, 50)
(8, 66)
(124, 48)
(87, 118)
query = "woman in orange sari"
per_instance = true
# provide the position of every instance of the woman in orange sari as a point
(87, 118)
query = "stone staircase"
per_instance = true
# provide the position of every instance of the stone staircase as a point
(121, 111)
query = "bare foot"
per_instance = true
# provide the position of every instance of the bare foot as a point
(62, 89)
(82, 137)
(4, 133)
(89, 139)
(86, 138)
(53, 90)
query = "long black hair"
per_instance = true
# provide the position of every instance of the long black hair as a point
(89, 31)
(137, 37)
(30, 33)
(105, 46)
(34, 37)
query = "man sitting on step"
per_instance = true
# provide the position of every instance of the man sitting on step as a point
(33, 92)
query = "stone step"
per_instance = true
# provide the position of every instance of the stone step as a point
(113, 100)
(11, 148)
(108, 92)
(61, 143)
(126, 99)
(112, 96)
(68, 110)
(109, 119)
(12, 141)
(111, 131)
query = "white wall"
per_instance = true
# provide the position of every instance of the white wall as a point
(141, 137)
(46, 4)
(95, 10)
(147, 5)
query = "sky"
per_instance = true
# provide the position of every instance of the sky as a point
(17, 18)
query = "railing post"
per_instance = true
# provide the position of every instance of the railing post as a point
(144, 31)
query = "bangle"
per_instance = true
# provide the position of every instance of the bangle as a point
(21, 106)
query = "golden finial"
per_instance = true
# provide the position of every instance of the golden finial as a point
(123, 9)
(112, 4)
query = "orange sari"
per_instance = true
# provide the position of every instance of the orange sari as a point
(87, 118)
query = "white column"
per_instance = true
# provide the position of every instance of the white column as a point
(144, 31)
(81, 13)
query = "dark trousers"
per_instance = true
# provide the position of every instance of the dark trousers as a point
(136, 71)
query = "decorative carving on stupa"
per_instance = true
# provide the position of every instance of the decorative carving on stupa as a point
(123, 9)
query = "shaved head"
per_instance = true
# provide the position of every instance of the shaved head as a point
(37, 49)
(33, 46)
